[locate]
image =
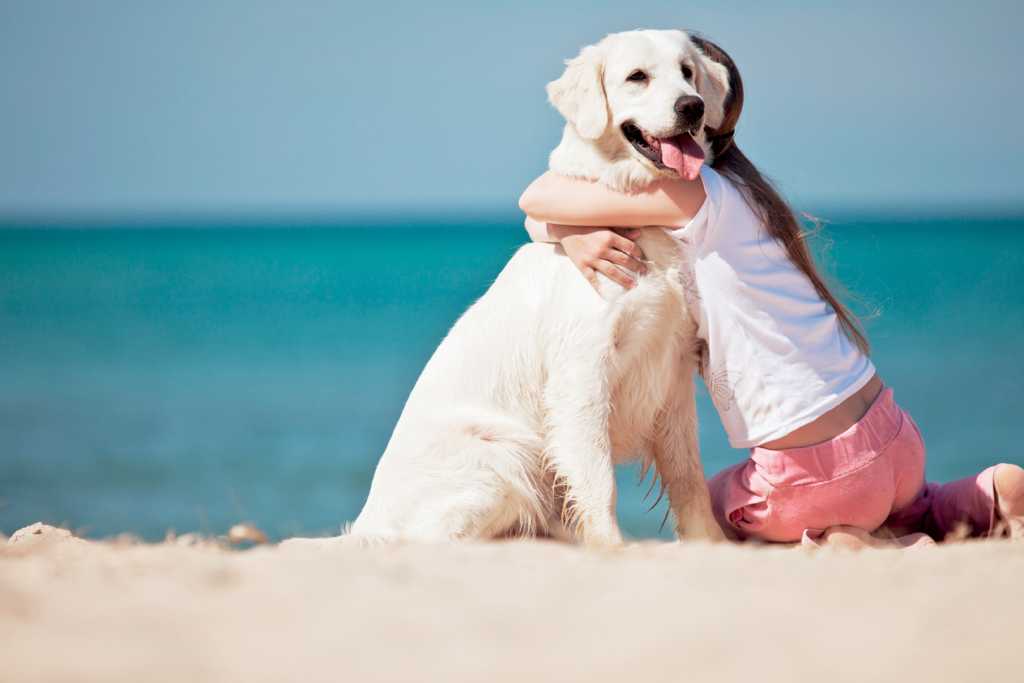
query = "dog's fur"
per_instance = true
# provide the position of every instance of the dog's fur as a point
(515, 424)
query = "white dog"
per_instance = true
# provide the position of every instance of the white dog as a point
(542, 385)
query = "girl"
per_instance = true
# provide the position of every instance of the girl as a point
(786, 364)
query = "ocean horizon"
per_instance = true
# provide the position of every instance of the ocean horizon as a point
(188, 372)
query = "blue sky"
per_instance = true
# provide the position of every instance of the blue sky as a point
(249, 107)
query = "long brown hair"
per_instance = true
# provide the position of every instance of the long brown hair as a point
(775, 214)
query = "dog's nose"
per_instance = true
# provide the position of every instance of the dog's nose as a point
(690, 108)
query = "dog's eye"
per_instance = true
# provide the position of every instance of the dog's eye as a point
(637, 76)
(687, 72)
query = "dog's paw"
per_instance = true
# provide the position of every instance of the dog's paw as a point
(600, 535)
(310, 544)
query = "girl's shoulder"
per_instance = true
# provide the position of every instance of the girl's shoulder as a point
(728, 216)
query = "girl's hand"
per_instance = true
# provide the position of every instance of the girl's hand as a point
(612, 253)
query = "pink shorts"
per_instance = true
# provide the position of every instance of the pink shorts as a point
(871, 475)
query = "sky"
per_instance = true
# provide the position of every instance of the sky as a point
(219, 107)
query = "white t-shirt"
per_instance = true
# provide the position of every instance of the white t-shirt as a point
(777, 355)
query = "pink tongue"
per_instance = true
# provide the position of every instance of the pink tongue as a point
(683, 154)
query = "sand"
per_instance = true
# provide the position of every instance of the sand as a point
(72, 610)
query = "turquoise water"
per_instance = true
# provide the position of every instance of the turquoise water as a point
(188, 378)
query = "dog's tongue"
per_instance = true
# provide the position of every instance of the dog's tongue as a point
(683, 154)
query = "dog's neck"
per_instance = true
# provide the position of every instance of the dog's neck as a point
(603, 160)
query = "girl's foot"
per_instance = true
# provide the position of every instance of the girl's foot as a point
(1008, 481)
(853, 538)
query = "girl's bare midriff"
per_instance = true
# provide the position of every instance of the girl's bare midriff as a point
(834, 422)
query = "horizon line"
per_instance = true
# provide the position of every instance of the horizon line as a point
(828, 212)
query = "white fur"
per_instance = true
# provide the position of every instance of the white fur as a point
(594, 88)
(543, 385)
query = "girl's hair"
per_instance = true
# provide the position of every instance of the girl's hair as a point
(775, 214)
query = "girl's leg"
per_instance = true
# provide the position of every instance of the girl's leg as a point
(854, 538)
(719, 488)
(992, 503)
(732, 490)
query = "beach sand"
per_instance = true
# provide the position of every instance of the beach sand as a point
(73, 610)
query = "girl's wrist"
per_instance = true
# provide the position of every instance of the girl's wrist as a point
(542, 231)
(560, 232)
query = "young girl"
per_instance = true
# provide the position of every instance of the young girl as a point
(786, 364)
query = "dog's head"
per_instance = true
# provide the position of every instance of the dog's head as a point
(650, 94)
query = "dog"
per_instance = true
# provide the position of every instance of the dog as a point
(542, 386)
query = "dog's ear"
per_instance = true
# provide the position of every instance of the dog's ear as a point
(579, 94)
(713, 86)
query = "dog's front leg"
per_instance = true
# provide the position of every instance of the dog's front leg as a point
(579, 450)
(677, 458)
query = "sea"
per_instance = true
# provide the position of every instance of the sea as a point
(185, 375)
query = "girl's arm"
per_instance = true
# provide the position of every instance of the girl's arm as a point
(554, 198)
(566, 210)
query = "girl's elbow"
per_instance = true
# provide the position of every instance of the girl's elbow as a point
(524, 202)
(535, 198)
(529, 203)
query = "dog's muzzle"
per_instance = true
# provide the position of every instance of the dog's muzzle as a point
(690, 111)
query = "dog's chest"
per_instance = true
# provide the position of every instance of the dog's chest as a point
(645, 365)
